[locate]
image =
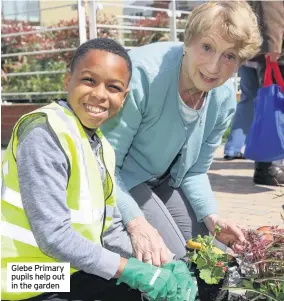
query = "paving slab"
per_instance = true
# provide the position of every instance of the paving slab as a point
(239, 198)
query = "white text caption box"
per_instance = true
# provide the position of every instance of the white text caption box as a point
(38, 277)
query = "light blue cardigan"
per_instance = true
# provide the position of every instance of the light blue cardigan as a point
(149, 132)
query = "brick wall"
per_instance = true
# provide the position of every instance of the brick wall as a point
(10, 114)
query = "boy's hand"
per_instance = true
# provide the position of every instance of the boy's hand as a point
(156, 283)
(185, 281)
(274, 56)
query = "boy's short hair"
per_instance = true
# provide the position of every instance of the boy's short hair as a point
(237, 22)
(101, 44)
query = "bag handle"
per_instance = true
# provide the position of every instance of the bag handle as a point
(277, 75)
(272, 67)
(268, 73)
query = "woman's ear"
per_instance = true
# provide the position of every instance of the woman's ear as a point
(67, 79)
(237, 69)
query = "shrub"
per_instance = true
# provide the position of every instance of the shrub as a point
(161, 20)
(67, 38)
(42, 62)
(36, 83)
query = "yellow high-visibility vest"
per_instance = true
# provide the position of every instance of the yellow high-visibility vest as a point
(90, 201)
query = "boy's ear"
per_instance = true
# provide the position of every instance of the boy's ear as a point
(125, 95)
(67, 79)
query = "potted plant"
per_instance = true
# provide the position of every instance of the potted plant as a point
(210, 267)
(258, 270)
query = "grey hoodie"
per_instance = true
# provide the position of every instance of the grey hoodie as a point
(43, 177)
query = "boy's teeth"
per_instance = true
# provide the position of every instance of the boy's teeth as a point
(95, 109)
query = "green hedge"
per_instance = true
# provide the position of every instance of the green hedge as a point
(36, 83)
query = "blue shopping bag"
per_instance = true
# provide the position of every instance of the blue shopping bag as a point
(265, 141)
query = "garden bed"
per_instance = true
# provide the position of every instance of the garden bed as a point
(10, 115)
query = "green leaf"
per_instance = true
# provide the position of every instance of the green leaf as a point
(212, 257)
(247, 284)
(217, 229)
(206, 276)
(218, 272)
(194, 257)
(207, 240)
(201, 263)
(280, 297)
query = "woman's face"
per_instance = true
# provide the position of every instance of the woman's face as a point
(210, 60)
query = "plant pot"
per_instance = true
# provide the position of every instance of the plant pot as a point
(209, 292)
(214, 292)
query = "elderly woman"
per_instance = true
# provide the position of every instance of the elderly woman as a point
(180, 104)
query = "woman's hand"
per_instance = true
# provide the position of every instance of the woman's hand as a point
(147, 243)
(230, 235)
(274, 56)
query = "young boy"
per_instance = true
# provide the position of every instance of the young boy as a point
(58, 192)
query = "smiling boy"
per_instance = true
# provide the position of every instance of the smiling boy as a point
(107, 68)
(58, 191)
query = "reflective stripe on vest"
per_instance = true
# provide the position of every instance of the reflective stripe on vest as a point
(77, 216)
(86, 196)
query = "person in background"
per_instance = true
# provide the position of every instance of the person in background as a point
(58, 191)
(180, 104)
(271, 18)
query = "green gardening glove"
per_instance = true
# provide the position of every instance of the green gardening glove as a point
(157, 283)
(185, 281)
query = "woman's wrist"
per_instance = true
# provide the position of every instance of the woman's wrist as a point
(137, 224)
(122, 264)
(210, 221)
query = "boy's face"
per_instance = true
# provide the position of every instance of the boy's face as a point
(97, 87)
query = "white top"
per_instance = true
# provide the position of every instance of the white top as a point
(188, 114)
